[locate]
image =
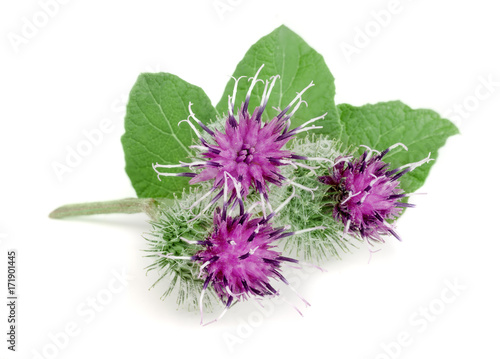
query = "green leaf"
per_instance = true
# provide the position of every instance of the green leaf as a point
(384, 124)
(156, 105)
(283, 52)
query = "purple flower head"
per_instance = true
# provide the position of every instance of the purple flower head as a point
(249, 149)
(239, 258)
(366, 193)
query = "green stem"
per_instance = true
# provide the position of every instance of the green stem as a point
(126, 205)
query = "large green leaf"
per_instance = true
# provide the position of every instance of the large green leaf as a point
(384, 124)
(156, 105)
(284, 53)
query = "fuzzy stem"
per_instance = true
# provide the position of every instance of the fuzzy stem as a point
(126, 205)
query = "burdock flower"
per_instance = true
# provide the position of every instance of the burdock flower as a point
(249, 149)
(366, 194)
(239, 256)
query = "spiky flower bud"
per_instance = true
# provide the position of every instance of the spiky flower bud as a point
(237, 257)
(366, 195)
(248, 148)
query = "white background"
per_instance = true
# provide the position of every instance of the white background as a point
(77, 69)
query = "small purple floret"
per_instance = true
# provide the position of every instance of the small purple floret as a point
(249, 151)
(239, 259)
(366, 195)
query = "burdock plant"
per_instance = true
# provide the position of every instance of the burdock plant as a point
(257, 192)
